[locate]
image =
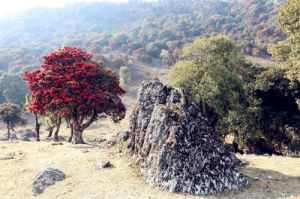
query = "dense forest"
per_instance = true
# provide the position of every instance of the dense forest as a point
(143, 30)
(206, 39)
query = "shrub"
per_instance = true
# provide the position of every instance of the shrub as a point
(10, 114)
(125, 76)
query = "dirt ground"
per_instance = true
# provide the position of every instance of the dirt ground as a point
(270, 176)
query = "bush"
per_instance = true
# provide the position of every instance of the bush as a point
(10, 114)
(125, 76)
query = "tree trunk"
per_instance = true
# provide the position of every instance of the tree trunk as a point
(68, 123)
(37, 128)
(77, 137)
(8, 131)
(50, 132)
(57, 130)
(72, 131)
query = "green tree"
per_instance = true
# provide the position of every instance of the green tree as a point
(167, 59)
(154, 49)
(288, 51)
(283, 87)
(211, 69)
(10, 114)
(13, 89)
(273, 105)
(52, 122)
(119, 39)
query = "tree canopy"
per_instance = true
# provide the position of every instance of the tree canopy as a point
(72, 85)
(288, 51)
(212, 73)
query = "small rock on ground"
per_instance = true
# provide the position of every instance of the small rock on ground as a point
(104, 164)
(110, 143)
(124, 135)
(46, 178)
(256, 178)
(270, 177)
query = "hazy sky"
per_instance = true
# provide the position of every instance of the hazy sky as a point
(11, 6)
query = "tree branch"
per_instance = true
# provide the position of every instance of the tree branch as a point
(90, 121)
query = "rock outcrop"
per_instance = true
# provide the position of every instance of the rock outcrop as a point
(176, 148)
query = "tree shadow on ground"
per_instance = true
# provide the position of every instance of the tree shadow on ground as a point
(266, 184)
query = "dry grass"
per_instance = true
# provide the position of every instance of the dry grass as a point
(83, 181)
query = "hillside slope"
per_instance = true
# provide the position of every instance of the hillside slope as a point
(136, 28)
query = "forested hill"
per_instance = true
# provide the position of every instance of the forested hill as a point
(146, 30)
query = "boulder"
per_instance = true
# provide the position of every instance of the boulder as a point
(175, 146)
(46, 178)
(26, 135)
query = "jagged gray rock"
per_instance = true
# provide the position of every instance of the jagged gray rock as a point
(176, 148)
(46, 178)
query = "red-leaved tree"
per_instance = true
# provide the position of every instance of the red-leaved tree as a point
(72, 85)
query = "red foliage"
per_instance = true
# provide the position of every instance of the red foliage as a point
(266, 31)
(71, 84)
(173, 45)
(142, 56)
